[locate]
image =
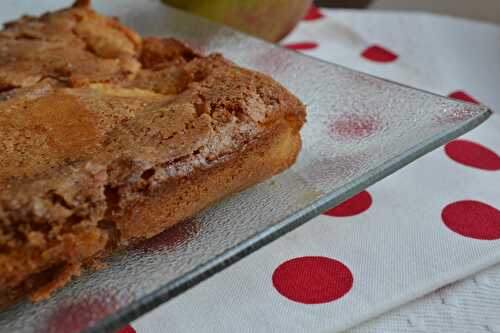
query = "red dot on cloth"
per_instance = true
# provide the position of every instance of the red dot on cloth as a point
(463, 96)
(353, 206)
(312, 280)
(301, 46)
(127, 329)
(313, 14)
(473, 155)
(472, 219)
(378, 53)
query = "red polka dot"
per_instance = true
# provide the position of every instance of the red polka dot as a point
(353, 206)
(461, 95)
(472, 219)
(127, 329)
(353, 126)
(473, 155)
(313, 14)
(312, 280)
(377, 53)
(302, 46)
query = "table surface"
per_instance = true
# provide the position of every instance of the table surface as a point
(485, 10)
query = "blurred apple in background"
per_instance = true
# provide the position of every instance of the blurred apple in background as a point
(268, 19)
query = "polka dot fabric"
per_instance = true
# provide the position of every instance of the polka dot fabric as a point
(472, 154)
(377, 53)
(127, 329)
(431, 223)
(352, 206)
(463, 96)
(313, 14)
(312, 280)
(301, 46)
(472, 219)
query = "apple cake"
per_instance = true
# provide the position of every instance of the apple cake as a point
(108, 138)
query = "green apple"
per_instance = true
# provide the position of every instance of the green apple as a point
(267, 19)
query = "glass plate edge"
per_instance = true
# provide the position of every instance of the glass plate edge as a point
(202, 272)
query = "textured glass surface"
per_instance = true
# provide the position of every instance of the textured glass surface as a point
(359, 130)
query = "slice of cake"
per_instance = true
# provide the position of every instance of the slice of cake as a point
(108, 139)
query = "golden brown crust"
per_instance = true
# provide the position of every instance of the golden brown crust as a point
(82, 3)
(99, 129)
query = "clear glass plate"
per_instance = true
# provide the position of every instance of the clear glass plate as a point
(360, 129)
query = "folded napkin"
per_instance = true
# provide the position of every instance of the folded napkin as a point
(432, 223)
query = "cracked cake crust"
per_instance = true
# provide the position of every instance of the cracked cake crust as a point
(109, 139)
